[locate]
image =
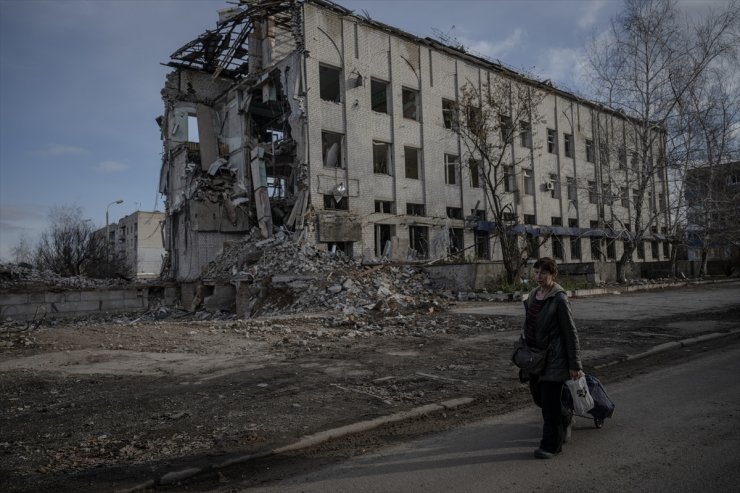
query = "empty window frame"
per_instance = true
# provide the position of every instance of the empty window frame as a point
(412, 156)
(611, 249)
(506, 128)
(343, 247)
(379, 95)
(590, 156)
(384, 234)
(448, 113)
(655, 250)
(452, 163)
(331, 145)
(457, 243)
(415, 209)
(556, 221)
(528, 181)
(593, 194)
(575, 248)
(419, 241)
(473, 118)
(454, 212)
(382, 158)
(568, 146)
(474, 165)
(596, 249)
(557, 247)
(525, 134)
(509, 179)
(330, 85)
(384, 207)
(552, 141)
(331, 203)
(193, 135)
(482, 245)
(410, 100)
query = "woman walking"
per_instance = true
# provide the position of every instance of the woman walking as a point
(549, 325)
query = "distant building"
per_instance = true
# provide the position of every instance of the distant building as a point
(138, 239)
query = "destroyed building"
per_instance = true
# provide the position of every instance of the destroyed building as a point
(301, 116)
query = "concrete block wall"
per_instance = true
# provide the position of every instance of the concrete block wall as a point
(33, 305)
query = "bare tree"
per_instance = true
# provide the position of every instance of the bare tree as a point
(644, 68)
(23, 251)
(488, 119)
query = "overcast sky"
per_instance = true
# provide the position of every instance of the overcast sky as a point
(80, 82)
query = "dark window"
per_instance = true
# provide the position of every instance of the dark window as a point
(331, 203)
(482, 251)
(506, 128)
(655, 250)
(641, 250)
(590, 151)
(478, 214)
(593, 194)
(379, 96)
(384, 206)
(529, 219)
(415, 209)
(666, 249)
(331, 144)
(525, 134)
(528, 181)
(330, 83)
(575, 248)
(343, 247)
(611, 250)
(552, 141)
(457, 244)
(382, 158)
(383, 237)
(451, 165)
(419, 241)
(595, 248)
(572, 222)
(557, 247)
(572, 191)
(475, 171)
(473, 117)
(556, 221)
(624, 196)
(568, 145)
(454, 213)
(509, 182)
(622, 157)
(411, 161)
(410, 99)
(448, 113)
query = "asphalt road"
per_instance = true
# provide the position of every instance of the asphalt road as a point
(675, 429)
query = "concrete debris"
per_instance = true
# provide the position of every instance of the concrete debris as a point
(25, 275)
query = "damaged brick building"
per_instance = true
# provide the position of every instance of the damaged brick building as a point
(303, 116)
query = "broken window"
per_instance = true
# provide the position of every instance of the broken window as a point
(379, 95)
(415, 209)
(568, 145)
(419, 241)
(448, 113)
(383, 238)
(457, 244)
(552, 141)
(475, 171)
(331, 203)
(557, 247)
(193, 135)
(330, 83)
(331, 144)
(528, 182)
(411, 160)
(382, 158)
(343, 247)
(525, 134)
(590, 151)
(451, 164)
(454, 212)
(410, 99)
(384, 206)
(482, 250)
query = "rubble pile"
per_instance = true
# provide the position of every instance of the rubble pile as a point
(25, 275)
(285, 276)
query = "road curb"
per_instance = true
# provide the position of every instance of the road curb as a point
(305, 442)
(668, 346)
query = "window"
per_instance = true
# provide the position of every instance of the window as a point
(606, 194)
(590, 151)
(331, 203)
(556, 221)
(593, 194)
(611, 250)
(193, 135)
(415, 209)
(384, 206)
(478, 214)
(419, 241)
(554, 186)
(634, 161)
(529, 219)
(448, 113)
(509, 217)
(475, 171)
(379, 96)
(457, 244)
(575, 248)
(474, 118)
(382, 158)
(595, 248)
(331, 144)
(330, 83)
(528, 182)
(635, 196)
(383, 238)
(666, 249)
(625, 197)
(454, 212)
(622, 157)
(661, 202)
(451, 164)
(572, 191)
(525, 134)
(509, 183)
(557, 247)
(641, 250)
(506, 128)
(411, 161)
(552, 141)
(572, 222)
(482, 251)
(343, 247)
(568, 145)
(654, 250)
(410, 100)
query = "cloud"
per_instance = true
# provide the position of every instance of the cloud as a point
(496, 49)
(58, 150)
(590, 12)
(9, 213)
(111, 167)
(564, 66)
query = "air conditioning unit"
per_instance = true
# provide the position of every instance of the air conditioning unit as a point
(549, 186)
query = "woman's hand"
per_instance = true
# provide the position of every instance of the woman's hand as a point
(576, 374)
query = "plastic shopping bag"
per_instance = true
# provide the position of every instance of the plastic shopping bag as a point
(582, 400)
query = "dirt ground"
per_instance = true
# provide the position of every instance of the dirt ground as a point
(98, 406)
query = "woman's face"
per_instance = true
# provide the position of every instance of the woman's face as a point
(544, 278)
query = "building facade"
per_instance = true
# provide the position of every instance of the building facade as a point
(138, 240)
(307, 117)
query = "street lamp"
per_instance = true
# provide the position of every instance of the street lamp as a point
(107, 234)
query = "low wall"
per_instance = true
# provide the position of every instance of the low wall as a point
(35, 304)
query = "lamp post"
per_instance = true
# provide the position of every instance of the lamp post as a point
(107, 234)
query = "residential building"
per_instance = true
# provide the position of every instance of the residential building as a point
(138, 239)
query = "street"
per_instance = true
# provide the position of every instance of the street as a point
(676, 429)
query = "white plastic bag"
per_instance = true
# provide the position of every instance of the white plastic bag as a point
(582, 400)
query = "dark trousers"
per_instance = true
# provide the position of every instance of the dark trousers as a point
(555, 416)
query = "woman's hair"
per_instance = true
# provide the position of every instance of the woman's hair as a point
(547, 264)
